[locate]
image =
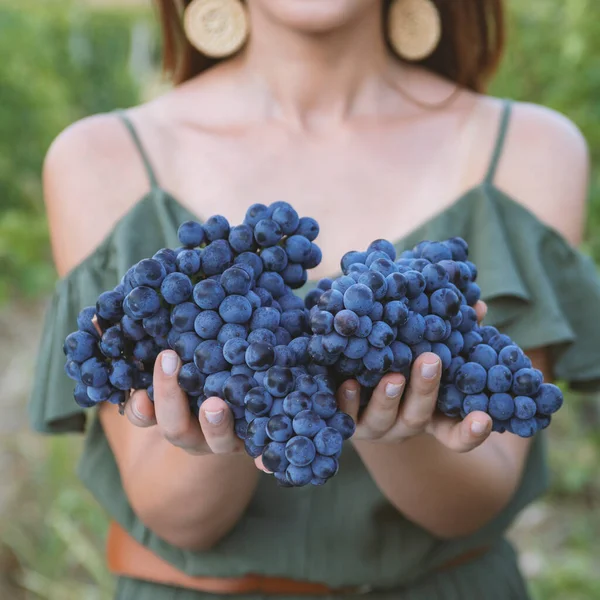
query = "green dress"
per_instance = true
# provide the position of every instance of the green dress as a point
(539, 290)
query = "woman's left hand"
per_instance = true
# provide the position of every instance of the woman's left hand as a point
(397, 411)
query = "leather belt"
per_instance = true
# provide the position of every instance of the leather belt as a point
(128, 558)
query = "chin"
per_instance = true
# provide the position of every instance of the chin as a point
(314, 16)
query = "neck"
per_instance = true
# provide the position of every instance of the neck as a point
(311, 78)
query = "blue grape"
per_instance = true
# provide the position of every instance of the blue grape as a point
(273, 456)
(420, 348)
(299, 347)
(159, 324)
(458, 247)
(524, 428)
(396, 286)
(234, 351)
(376, 313)
(260, 356)
(300, 451)
(256, 213)
(382, 246)
(286, 217)
(298, 248)
(298, 476)
(110, 306)
(217, 257)
(334, 343)
(415, 284)
(475, 402)
(294, 321)
(376, 282)
(420, 304)
(258, 401)
(257, 431)
(525, 407)
(296, 402)
(395, 313)
(351, 258)
(375, 255)
(186, 345)
(73, 370)
(485, 355)
(100, 393)
(146, 350)
(216, 228)
(265, 318)
(455, 364)
(142, 380)
(501, 406)
(279, 381)
(328, 441)
(321, 322)
(548, 399)
(175, 288)
(471, 378)
(182, 317)
(284, 357)
(469, 320)
(236, 388)
(94, 373)
(455, 342)
(207, 325)
(436, 251)
(84, 321)
(208, 294)
(413, 330)
(359, 299)
(487, 332)
(190, 379)
(514, 358)
(308, 228)
(273, 283)
(252, 260)
(267, 232)
(241, 238)
(191, 234)
(324, 467)
(435, 328)
(378, 360)
(499, 379)
(443, 352)
(306, 384)
(79, 346)
(343, 424)
(230, 331)
(444, 303)
(214, 384)
(208, 357)
(252, 449)
(235, 309)
(499, 342)
(527, 382)
(121, 375)
(188, 262)
(470, 340)
(166, 257)
(265, 336)
(385, 267)
(450, 400)
(381, 335)
(307, 423)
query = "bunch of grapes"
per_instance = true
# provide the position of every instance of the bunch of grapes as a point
(292, 421)
(386, 311)
(224, 302)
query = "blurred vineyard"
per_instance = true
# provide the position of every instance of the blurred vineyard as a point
(68, 59)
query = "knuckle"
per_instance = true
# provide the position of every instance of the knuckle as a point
(416, 422)
(176, 437)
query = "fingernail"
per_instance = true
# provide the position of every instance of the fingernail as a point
(168, 363)
(350, 395)
(393, 390)
(478, 428)
(136, 413)
(430, 370)
(215, 417)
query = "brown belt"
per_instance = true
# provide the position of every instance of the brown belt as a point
(128, 558)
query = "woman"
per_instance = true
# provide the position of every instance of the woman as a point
(318, 108)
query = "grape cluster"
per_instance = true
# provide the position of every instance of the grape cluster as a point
(224, 302)
(384, 311)
(293, 422)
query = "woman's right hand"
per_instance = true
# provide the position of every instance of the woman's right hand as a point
(212, 433)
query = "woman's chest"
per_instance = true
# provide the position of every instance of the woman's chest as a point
(358, 190)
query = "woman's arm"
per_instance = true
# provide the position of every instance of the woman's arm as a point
(187, 480)
(455, 486)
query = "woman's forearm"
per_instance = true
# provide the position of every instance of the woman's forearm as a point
(189, 501)
(447, 493)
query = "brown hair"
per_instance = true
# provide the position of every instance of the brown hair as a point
(468, 54)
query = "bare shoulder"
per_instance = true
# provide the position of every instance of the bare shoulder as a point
(92, 176)
(545, 165)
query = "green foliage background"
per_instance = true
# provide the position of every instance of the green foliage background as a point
(65, 59)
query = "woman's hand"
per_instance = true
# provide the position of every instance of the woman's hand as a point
(397, 411)
(212, 433)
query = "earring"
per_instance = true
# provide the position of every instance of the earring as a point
(217, 28)
(414, 28)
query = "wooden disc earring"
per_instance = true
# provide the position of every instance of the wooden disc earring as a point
(216, 28)
(414, 28)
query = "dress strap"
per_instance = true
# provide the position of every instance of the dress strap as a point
(504, 122)
(140, 148)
